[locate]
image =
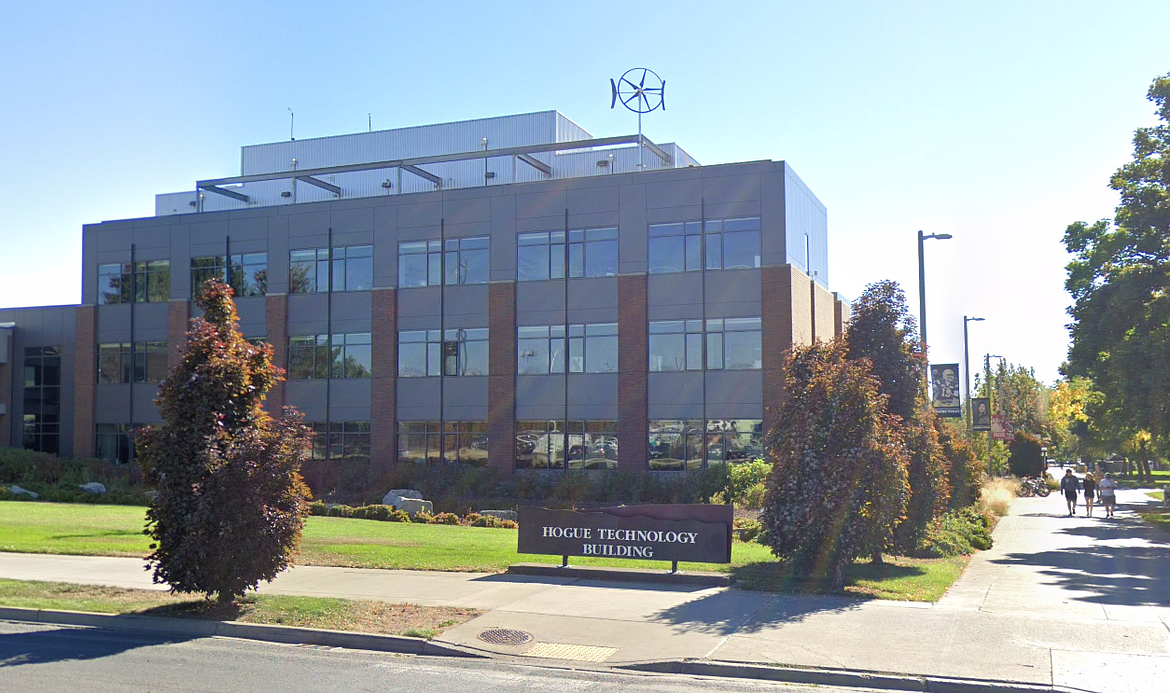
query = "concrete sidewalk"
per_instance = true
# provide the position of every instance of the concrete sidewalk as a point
(1074, 602)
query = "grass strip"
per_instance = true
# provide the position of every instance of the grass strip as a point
(307, 612)
(100, 530)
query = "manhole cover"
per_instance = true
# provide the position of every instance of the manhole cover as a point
(505, 636)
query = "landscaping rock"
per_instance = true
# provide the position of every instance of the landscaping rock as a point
(502, 514)
(395, 494)
(409, 500)
(16, 491)
(93, 487)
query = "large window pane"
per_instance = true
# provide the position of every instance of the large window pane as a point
(666, 255)
(741, 250)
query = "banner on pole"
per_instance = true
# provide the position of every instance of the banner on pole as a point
(980, 414)
(945, 386)
(1001, 428)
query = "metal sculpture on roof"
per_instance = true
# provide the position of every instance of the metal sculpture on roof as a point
(640, 90)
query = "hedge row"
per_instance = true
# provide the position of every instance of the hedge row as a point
(386, 513)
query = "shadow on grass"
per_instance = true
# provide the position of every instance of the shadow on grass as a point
(771, 576)
(204, 610)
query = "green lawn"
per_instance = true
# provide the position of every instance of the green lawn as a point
(112, 530)
(1161, 478)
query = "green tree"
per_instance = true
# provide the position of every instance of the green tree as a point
(838, 485)
(883, 332)
(1025, 458)
(231, 502)
(1076, 412)
(966, 469)
(1119, 279)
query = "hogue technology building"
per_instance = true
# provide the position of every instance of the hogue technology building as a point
(508, 291)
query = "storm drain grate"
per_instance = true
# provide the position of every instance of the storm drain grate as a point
(505, 636)
(582, 653)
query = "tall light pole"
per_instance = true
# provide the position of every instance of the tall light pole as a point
(967, 368)
(987, 383)
(922, 282)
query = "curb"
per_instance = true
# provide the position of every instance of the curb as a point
(289, 635)
(622, 574)
(837, 677)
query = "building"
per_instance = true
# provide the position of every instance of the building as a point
(412, 282)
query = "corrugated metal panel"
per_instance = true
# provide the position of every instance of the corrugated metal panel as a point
(383, 145)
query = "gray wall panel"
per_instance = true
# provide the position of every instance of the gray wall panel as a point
(632, 230)
(465, 399)
(675, 395)
(593, 199)
(348, 221)
(111, 404)
(308, 396)
(349, 399)
(673, 194)
(678, 289)
(598, 292)
(466, 306)
(418, 399)
(735, 395)
(351, 310)
(253, 315)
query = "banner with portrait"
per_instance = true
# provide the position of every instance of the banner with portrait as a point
(944, 380)
(980, 414)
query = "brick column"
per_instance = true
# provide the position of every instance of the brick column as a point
(384, 388)
(276, 324)
(178, 316)
(633, 371)
(84, 381)
(501, 423)
(776, 326)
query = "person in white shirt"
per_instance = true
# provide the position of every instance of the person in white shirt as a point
(1108, 490)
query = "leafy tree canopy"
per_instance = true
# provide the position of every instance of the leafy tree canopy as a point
(883, 330)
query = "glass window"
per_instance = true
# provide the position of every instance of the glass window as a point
(143, 282)
(734, 344)
(113, 286)
(467, 260)
(419, 441)
(674, 247)
(112, 442)
(593, 252)
(593, 348)
(309, 269)
(341, 440)
(458, 352)
(733, 243)
(249, 272)
(579, 445)
(734, 440)
(676, 444)
(540, 256)
(153, 281)
(675, 345)
(41, 424)
(148, 365)
(315, 356)
(465, 442)
(540, 349)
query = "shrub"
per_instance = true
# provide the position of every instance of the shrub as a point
(1024, 458)
(340, 511)
(995, 497)
(318, 508)
(955, 533)
(477, 520)
(742, 477)
(748, 529)
(444, 519)
(398, 516)
(754, 497)
(839, 481)
(967, 471)
(422, 517)
(378, 512)
(929, 485)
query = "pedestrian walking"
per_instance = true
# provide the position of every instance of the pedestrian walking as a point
(1090, 487)
(1108, 490)
(1069, 486)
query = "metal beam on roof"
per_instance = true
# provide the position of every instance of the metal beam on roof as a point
(423, 174)
(535, 163)
(320, 184)
(438, 159)
(659, 151)
(227, 193)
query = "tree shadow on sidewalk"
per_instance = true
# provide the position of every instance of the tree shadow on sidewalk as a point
(71, 644)
(1114, 573)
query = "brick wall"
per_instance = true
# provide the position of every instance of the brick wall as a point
(178, 315)
(85, 381)
(633, 369)
(824, 313)
(501, 421)
(276, 319)
(384, 388)
(802, 313)
(776, 325)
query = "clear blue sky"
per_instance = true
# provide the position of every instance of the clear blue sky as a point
(997, 122)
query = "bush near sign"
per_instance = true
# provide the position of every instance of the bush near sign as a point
(693, 533)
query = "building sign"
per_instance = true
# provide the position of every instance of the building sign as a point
(694, 533)
(945, 380)
(980, 414)
(1001, 428)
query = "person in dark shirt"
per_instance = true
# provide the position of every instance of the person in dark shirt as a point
(1069, 486)
(1090, 486)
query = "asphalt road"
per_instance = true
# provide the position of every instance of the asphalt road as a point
(36, 658)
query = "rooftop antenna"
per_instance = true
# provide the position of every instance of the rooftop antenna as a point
(640, 90)
(291, 121)
(370, 122)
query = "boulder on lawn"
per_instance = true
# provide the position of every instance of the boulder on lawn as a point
(409, 500)
(502, 514)
(16, 491)
(93, 487)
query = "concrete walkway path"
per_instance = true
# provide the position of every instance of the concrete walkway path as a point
(1075, 602)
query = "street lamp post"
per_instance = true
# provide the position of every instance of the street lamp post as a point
(967, 368)
(987, 383)
(922, 283)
